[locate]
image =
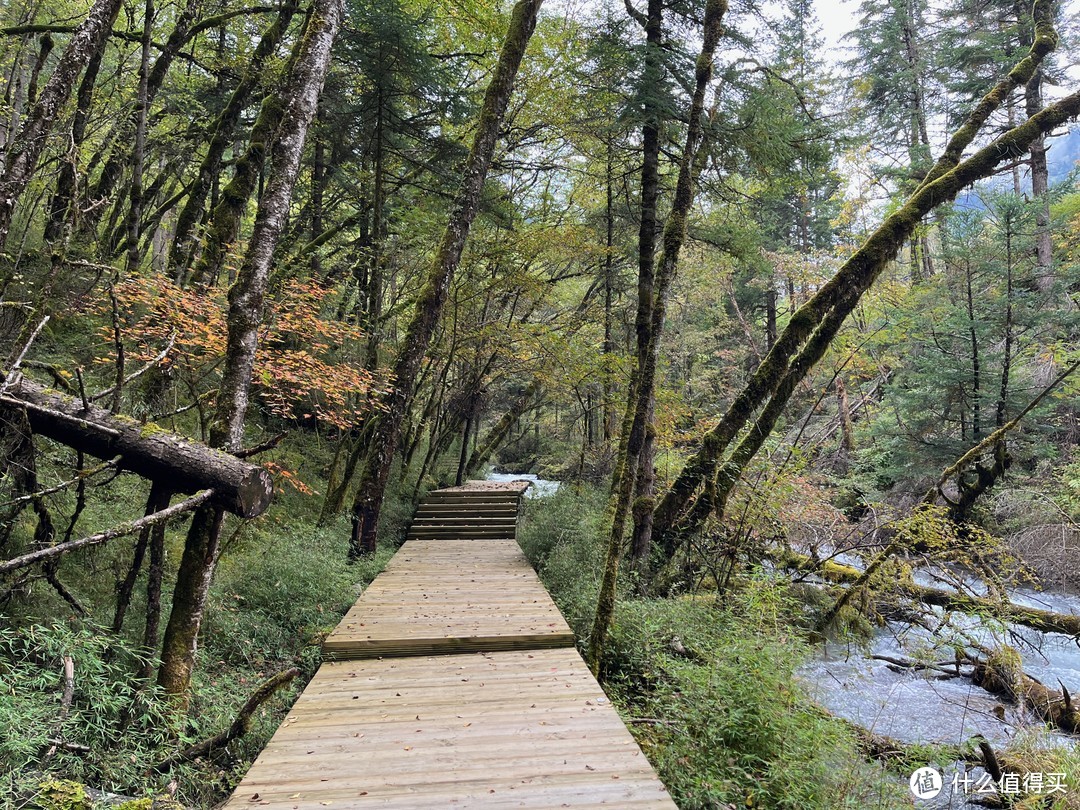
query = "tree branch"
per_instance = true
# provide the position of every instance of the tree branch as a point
(124, 529)
(239, 726)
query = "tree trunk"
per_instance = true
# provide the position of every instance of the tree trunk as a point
(25, 149)
(1040, 184)
(847, 434)
(187, 221)
(157, 500)
(498, 433)
(113, 153)
(642, 403)
(65, 183)
(636, 448)
(609, 283)
(246, 297)
(223, 228)
(386, 432)
(138, 152)
(1040, 175)
(154, 577)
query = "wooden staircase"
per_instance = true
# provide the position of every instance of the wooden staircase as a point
(467, 514)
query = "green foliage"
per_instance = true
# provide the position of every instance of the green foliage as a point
(560, 535)
(721, 715)
(121, 722)
(968, 349)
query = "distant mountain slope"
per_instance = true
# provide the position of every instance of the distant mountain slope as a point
(1063, 154)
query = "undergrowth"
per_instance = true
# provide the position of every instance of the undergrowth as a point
(708, 691)
(281, 585)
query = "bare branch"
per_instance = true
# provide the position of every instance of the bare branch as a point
(22, 354)
(136, 374)
(122, 530)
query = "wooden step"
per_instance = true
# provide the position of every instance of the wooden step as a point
(502, 528)
(472, 501)
(438, 509)
(505, 534)
(464, 521)
(511, 506)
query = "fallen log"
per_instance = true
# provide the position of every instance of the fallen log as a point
(240, 487)
(892, 753)
(1046, 621)
(1002, 673)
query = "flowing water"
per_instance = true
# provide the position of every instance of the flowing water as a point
(541, 487)
(929, 708)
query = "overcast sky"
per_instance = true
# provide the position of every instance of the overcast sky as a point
(837, 18)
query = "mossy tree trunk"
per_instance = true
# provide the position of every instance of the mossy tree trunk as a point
(183, 245)
(641, 400)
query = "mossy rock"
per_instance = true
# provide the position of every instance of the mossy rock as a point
(62, 794)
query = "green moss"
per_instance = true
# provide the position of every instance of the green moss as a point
(1004, 670)
(138, 804)
(62, 794)
(148, 429)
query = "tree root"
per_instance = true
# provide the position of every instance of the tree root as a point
(239, 726)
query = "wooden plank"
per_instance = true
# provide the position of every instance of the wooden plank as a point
(453, 596)
(467, 510)
(517, 487)
(508, 729)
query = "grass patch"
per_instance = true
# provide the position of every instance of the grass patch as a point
(707, 690)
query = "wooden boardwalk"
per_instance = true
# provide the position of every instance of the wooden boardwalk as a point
(453, 682)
